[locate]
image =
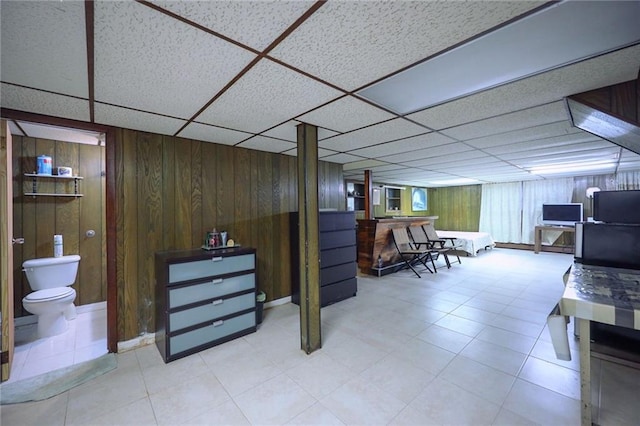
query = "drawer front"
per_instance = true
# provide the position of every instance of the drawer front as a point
(337, 273)
(210, 267)
(210, 311)
(204, 335)
(209, 290)
(333, 239)
(330, 221)
(337, 256)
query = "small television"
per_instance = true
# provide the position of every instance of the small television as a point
(562, 214)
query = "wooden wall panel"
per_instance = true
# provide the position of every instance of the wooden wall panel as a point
(38, 219)
(457, 207)
(168, 191)
(185, 188)
(149, 223)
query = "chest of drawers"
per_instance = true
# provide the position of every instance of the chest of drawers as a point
(338, 257)
(203, 298)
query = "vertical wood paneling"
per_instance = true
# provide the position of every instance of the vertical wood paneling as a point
(201, 185)
(90, 284)
(149, 229)
(182, 217)
(129, 285)
(169, 191)
(457, 208)
(242, 197)
(210, 191)
(224, 167)
(265, 222)
(45, 206)
(196, 194)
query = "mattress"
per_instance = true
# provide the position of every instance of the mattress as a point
(470, 242)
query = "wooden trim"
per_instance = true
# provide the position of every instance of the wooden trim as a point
(89, 29)
(112, 208)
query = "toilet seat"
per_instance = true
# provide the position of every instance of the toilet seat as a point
(49, 294)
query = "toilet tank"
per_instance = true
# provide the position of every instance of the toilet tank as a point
(50, 272)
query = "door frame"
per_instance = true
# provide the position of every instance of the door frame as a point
(111, 204)
(6, 253)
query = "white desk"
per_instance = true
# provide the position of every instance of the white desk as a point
(602, 294)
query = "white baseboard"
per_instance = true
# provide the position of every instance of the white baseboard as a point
(138, 342)
(277, 302)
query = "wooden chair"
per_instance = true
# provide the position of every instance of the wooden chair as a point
(409, 253)
(452, 247)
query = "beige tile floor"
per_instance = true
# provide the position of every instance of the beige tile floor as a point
(465, 346)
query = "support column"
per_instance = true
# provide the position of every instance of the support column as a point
(368, 194)
(309, 241)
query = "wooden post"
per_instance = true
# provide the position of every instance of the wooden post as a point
(309, 241)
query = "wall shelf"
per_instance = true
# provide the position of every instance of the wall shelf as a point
(34, 186)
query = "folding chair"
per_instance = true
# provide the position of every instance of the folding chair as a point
(432, 236)
(419, 237)
(409, 254)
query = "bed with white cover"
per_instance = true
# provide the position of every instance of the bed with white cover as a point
(469, 242)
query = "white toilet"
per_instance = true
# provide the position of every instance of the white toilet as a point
(52, 298)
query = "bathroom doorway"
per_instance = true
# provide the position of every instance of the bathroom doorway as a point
(82, 220)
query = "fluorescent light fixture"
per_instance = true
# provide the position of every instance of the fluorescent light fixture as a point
(393, 187)
(572, 168)
(556, 36)
(458, 181)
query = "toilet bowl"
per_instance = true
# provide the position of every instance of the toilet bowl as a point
(52, 298)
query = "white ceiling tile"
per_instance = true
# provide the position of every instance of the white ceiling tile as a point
(253, 23)
(346, 114)
(567, 158)
(149, 61)
(359, 163)
(288, 132)
(322, 153)
(268, 93)
(535, 149)
(423, 143)
(207, 133)
(554, 131)
(39, 102)
(450, 162)
(428, 158)
(535, 116)
(263, 143)
(136, 120)
(383, 132)
(44, 46)
(347, 158)
(57, 133)
(354, 43)
(544, 88)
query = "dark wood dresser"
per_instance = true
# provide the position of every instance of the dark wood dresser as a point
(203, 298)
(338, 256)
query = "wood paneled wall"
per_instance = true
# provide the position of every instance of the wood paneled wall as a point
(457, 207)
(172, 190)
(38, 219)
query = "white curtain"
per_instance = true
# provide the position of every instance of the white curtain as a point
(534, 194)
(500, 211)
(628, 181)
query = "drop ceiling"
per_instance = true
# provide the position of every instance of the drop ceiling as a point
(245, 73)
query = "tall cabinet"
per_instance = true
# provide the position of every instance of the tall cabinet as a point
(338, 257)
(203, 298)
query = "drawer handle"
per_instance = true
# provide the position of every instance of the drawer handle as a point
(218, 323)
(217, 281)
(216, 259)
(217, 302)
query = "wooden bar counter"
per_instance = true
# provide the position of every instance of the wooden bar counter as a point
(375, 241)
